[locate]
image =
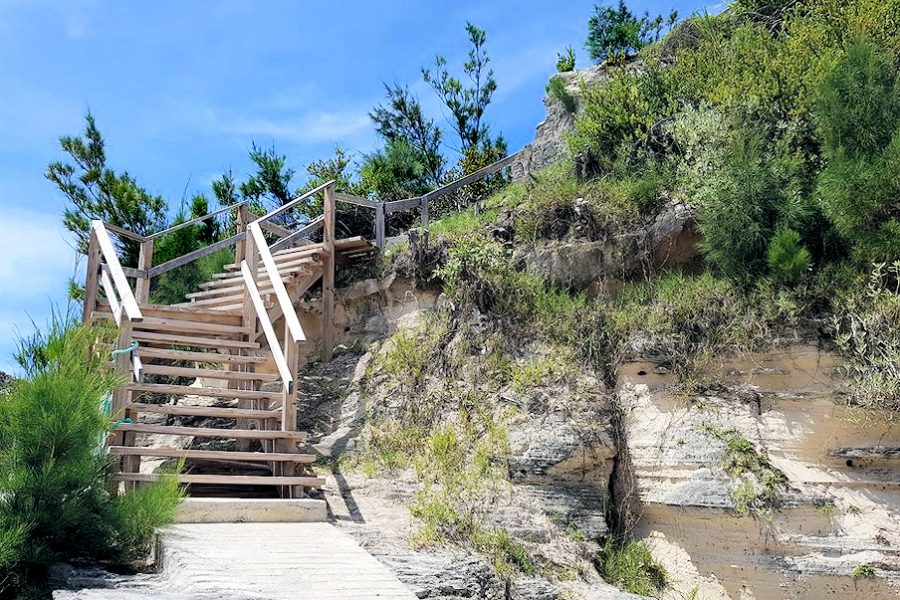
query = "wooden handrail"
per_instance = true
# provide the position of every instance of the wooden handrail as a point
(196, 254)
(122, 289)
(124, 232)
(293, 202)
(287, 307)
(269, 331)
(305, 231)
(215, 213)
(351, 199)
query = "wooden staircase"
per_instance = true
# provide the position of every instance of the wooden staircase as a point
(199, 374)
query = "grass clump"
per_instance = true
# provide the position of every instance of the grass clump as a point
(862, 571)
(556, 89)
(631, 567)
(54, 477)
(757, 484)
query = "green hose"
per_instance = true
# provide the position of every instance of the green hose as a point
(106, 405)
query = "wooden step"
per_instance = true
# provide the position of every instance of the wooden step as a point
(152, 369)
(206, 432)
(180, 325)
(187, 390)
(286, 255)
(197, 342)
(286, 270)
(228, 479)
(203, 411)
(200, 357)
(222, 300)
(213, 455)
(228, 292)
(183, 313)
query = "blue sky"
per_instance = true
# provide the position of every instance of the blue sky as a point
(180, 89)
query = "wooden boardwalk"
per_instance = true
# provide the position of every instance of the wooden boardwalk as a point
(256, 561)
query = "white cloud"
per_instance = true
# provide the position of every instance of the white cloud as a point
(309, 128)
(37, 262)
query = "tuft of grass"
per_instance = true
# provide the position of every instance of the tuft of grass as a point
(862, 571)
(142, 511)
(556, 89)
(757, 483)
(632, 568)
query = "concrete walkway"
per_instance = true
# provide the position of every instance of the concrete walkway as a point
(255, 561)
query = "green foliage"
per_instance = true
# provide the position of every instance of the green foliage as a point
(615, 33)
(396, 172)
(402, 121)
(859, 116)
(139, 513)
(787, 259)
(862, 570)
(556, 88)
(632, 568)
(867, 334)
(54, 503)
(616, 115)
(565, 61)
(466, 105)
(94, 191)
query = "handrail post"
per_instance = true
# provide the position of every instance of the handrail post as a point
(145, 261)
(251, 258)
(91, 284)
(289, 406)
(379, 226)
(423, 204)
(328, 275)
(243, 219)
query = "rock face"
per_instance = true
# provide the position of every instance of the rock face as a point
(549, 143)
(835, 513)
(6, 382)
(670, 239)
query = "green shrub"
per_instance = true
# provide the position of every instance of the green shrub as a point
(139, 513)
(632, 568)
(615, 33)
(556, 88)
(788, 260)
(54, 480)
(565, 62)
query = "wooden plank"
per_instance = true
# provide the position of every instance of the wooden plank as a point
(173, 325)
(196, 254)
(213, 455)
(217, 301)
(123, 289)
(350, 199)
(228, 479)
(137, 367)
(470, 178)
(290, 315)
(237, 281)
(110, 290)
(297, 235)
(187, 390)
(287, 206)
(196, 220)
(232, 434)
(328, 277)
(274, 228)
(293, 255)
(123, 232)
(203, 411)
(398, 205)
(198, 342)
(423, 218)
(145, 261)
(202, 357)
(286, 376)
(191, 314)
(379, 226)
(208, 373)
(91, 283)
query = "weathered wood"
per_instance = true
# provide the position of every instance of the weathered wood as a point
(379, 226)
(296, 290)
(206, 432)
(123, 232)
(290, 315)
(289, 393)
(145, 261)
(304, 232)
(243, 219)
(110, 291)
(175, 325)
(187, 390)
(216, 300)
(195, 255)
(274, 228)
(471, 178)
(191, 314)
(228, 479)
(423, 217)
(137, 367)
(123, 366)
(350, 199)
(208, 373)
(197, 342)
(123, 290)
(184, 224)
(398, 205)
(202, 357)
(91, 284)
(267, 328)
(214, 455)
(328, 276)
(202, 411)
(293, 202)
(251, 263)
